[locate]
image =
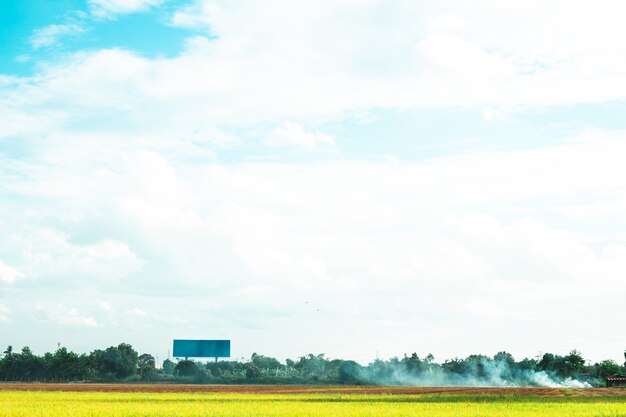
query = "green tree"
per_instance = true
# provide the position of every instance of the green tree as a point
(606, 368)
(186, 368)
(7, 365)
(569, 366)
(527, 364)
(573, 364)
(265, 362)
(64, 365)
(413, 364)
(30, 365)
(115, 362)
(550, 363)
(504, 357)
(168, 367)
(312, 366)
(252, 371)
(456, 366)
(350, 373)
(146, 366)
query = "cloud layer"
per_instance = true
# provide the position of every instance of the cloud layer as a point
(483, 239)
(109, 8)
(226, 187)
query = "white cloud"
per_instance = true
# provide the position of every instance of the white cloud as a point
(8, 274)
(64, 316)
(285, 62)
(460, 61)
(104, 306)
(50, 35)
(108, 8)
(293, 135)
(413, 239)
(49, 255)
(137, 312)
(460, 238)
(198, 15)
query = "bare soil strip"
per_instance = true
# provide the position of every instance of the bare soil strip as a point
(293, 389)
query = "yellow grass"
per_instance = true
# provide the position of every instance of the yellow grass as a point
(94, 404)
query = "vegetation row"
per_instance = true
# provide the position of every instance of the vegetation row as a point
(122, 363)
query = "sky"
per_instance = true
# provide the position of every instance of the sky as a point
(357, 178)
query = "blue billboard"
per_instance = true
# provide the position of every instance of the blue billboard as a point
(201, 348)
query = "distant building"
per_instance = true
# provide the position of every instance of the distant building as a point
(615, 381)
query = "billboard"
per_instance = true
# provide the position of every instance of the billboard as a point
(201, 348)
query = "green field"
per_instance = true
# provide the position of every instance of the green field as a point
(96, 404)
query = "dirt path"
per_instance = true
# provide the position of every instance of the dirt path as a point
(292, 389)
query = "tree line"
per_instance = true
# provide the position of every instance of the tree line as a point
(123, 363)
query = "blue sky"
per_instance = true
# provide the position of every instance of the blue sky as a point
(147, 33)
(419, 172)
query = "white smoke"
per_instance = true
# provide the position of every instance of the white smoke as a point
(487, 373)
(542, 379)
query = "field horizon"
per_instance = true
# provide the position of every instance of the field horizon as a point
(310, 389)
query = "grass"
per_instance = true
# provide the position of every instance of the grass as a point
(95, 404)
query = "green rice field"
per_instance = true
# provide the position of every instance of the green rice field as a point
(100, 404)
